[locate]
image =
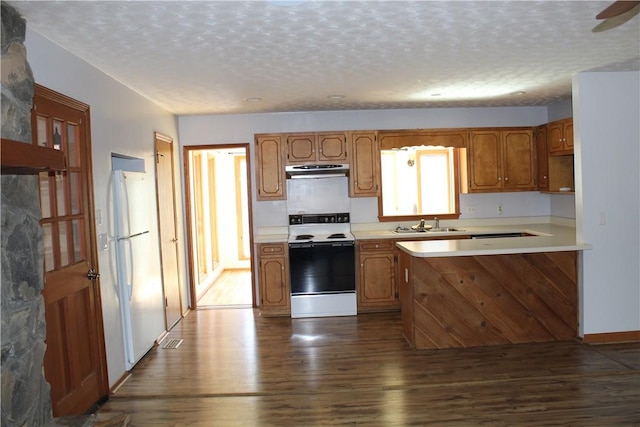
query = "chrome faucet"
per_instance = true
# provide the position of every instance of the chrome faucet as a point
(437, 223)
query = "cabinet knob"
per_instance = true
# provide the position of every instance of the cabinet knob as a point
(506, 179)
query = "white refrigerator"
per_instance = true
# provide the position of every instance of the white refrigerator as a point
(138, 270)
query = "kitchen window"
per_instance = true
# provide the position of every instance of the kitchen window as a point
(419, 182)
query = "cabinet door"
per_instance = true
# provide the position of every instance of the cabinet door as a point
(567, 130)
(301, 148)
(554, 134)
(542, 158)
(275, 295)
(270, 168)
(485, 158)
(560, 135)
(518, 160)
(377, 279)
(365, 164)
(332, 147)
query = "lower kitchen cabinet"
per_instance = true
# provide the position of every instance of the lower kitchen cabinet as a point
(376, 276)
(275, 293)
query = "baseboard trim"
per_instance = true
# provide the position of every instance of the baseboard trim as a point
(119, 383)
(612, 337)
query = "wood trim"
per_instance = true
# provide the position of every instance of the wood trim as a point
(59, 98)
(189, 215)
(456, 138)
(22, 158)
(612, 337)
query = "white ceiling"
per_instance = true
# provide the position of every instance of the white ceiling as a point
(208, 57)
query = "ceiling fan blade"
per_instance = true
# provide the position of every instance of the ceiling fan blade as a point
(617, 8)
(615, 21)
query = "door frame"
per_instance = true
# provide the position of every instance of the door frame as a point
(193, 303)
(59, 98)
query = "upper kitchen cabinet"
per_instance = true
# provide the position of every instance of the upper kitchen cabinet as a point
(270, 168)
(560, 135)
(501, 160)
(542, 155)
(364, 152)
(319, 147)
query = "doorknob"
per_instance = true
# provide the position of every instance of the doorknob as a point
(93, 275)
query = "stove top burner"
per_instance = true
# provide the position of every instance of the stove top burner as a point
(337, 236)
(304, 237)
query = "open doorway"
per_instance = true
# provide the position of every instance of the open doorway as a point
(219, 226)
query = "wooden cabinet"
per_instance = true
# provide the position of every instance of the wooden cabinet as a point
(319, 147)
(270, 178)
(554, 149)
(275, 293)
(376, 276)
(560, 135)
(542, 157)
(363, 150)
(501, 160)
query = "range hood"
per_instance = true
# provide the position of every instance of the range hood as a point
(317, 171)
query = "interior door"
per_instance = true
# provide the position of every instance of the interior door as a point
(167, 223)
(74, 363)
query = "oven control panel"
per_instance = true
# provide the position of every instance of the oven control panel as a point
(335, 218)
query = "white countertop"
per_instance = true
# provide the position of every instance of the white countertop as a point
(547, 238)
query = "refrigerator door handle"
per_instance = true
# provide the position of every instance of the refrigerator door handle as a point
(130, 278)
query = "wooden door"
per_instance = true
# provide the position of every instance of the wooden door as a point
(567, 134)
(555, 135)
(270, 168)
(365, 165)
(485, 159)
(74, 362)
(518, 162)
(167, 225)
(542, 158)
(377, 279)
(332, 147)
(301, 148)
(275, 294)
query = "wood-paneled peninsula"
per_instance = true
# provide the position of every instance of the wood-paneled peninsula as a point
(477, 292)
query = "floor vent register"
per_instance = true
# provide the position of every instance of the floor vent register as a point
(174, 343)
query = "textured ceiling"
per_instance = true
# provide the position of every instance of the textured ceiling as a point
(209, 57)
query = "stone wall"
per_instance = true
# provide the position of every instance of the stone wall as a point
(25, 393)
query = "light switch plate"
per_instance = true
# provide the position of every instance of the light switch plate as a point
(103, 242)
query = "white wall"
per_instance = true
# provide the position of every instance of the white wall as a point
(204, 130)
(607, 157)
(123, 122)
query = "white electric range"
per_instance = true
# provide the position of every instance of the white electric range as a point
(322, 265)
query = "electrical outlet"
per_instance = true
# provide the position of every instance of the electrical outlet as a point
(500, 209)
(471, 210)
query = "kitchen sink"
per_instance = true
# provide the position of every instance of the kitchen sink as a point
(444, 230)
(403, 230)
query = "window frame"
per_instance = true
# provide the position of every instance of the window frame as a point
(458, 152)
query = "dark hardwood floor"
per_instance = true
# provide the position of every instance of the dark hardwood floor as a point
(235, 368)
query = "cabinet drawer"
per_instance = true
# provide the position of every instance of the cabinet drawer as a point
(272, 249)
(377, 245)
